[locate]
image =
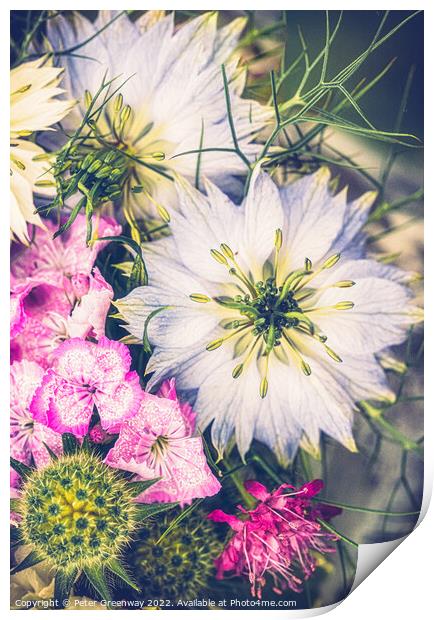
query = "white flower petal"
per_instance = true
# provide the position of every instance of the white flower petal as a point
(380, 317)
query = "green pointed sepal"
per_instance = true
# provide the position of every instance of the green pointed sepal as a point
(97, 578)
(52, 454)
(137, 488)
(23, 470)
(63, 583)
(29, 561)
(144, 511)
(70, 443)
(116, 568)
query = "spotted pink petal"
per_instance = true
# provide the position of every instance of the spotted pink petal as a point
(83, 375)
(28, 437)
(188, 475)
(112, 359)
(74, 360)
(168, 390)
(123, 402)
(157, 443)
(62, 406)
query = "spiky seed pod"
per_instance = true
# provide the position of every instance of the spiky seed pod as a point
(79, 514)
(76, 512)
(180, 565)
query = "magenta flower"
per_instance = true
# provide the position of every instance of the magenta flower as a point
(276, 538)
(159, 442)
(28, 436)
(85, 375)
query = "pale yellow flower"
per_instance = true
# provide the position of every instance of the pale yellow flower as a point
(34, 106)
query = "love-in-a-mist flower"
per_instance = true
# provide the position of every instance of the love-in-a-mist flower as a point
(160, 442)
(173, 101)
(35, 106)
(276, 539)
(271, 311)
(85, 375)
(29, 437)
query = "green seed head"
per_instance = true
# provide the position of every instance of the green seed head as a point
(77, 512)
(181, 564)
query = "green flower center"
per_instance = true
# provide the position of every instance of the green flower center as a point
(271, 313)
(278, 311)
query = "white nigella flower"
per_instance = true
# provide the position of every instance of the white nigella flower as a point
(173, 100)
(274, 315)
(34, 107)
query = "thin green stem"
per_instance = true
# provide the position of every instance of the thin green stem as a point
(324, 500)
(330, 528)
(234, 474)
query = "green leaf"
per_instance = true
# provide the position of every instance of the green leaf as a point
(97, 579)
(180, 517)
(63, 582)
(23, 470)
(86, 446)
(138, 487)
(116, 567)
(144, 511)
(70, 443)
(30, 560)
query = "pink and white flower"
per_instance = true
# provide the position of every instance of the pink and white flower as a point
(55, 292)
(67, 255)
(28, 436)
(160, 442)
(276, 538)
(85, 375)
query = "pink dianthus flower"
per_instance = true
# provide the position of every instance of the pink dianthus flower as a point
(160, 442)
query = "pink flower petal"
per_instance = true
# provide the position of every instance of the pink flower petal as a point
(29, 437)
(157, 443)
(89, 315)
(258, 490)
(168, 390)
(120, 404)
(219, 516)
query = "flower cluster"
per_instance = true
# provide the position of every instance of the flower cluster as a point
(193, 304)
(277, 537)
